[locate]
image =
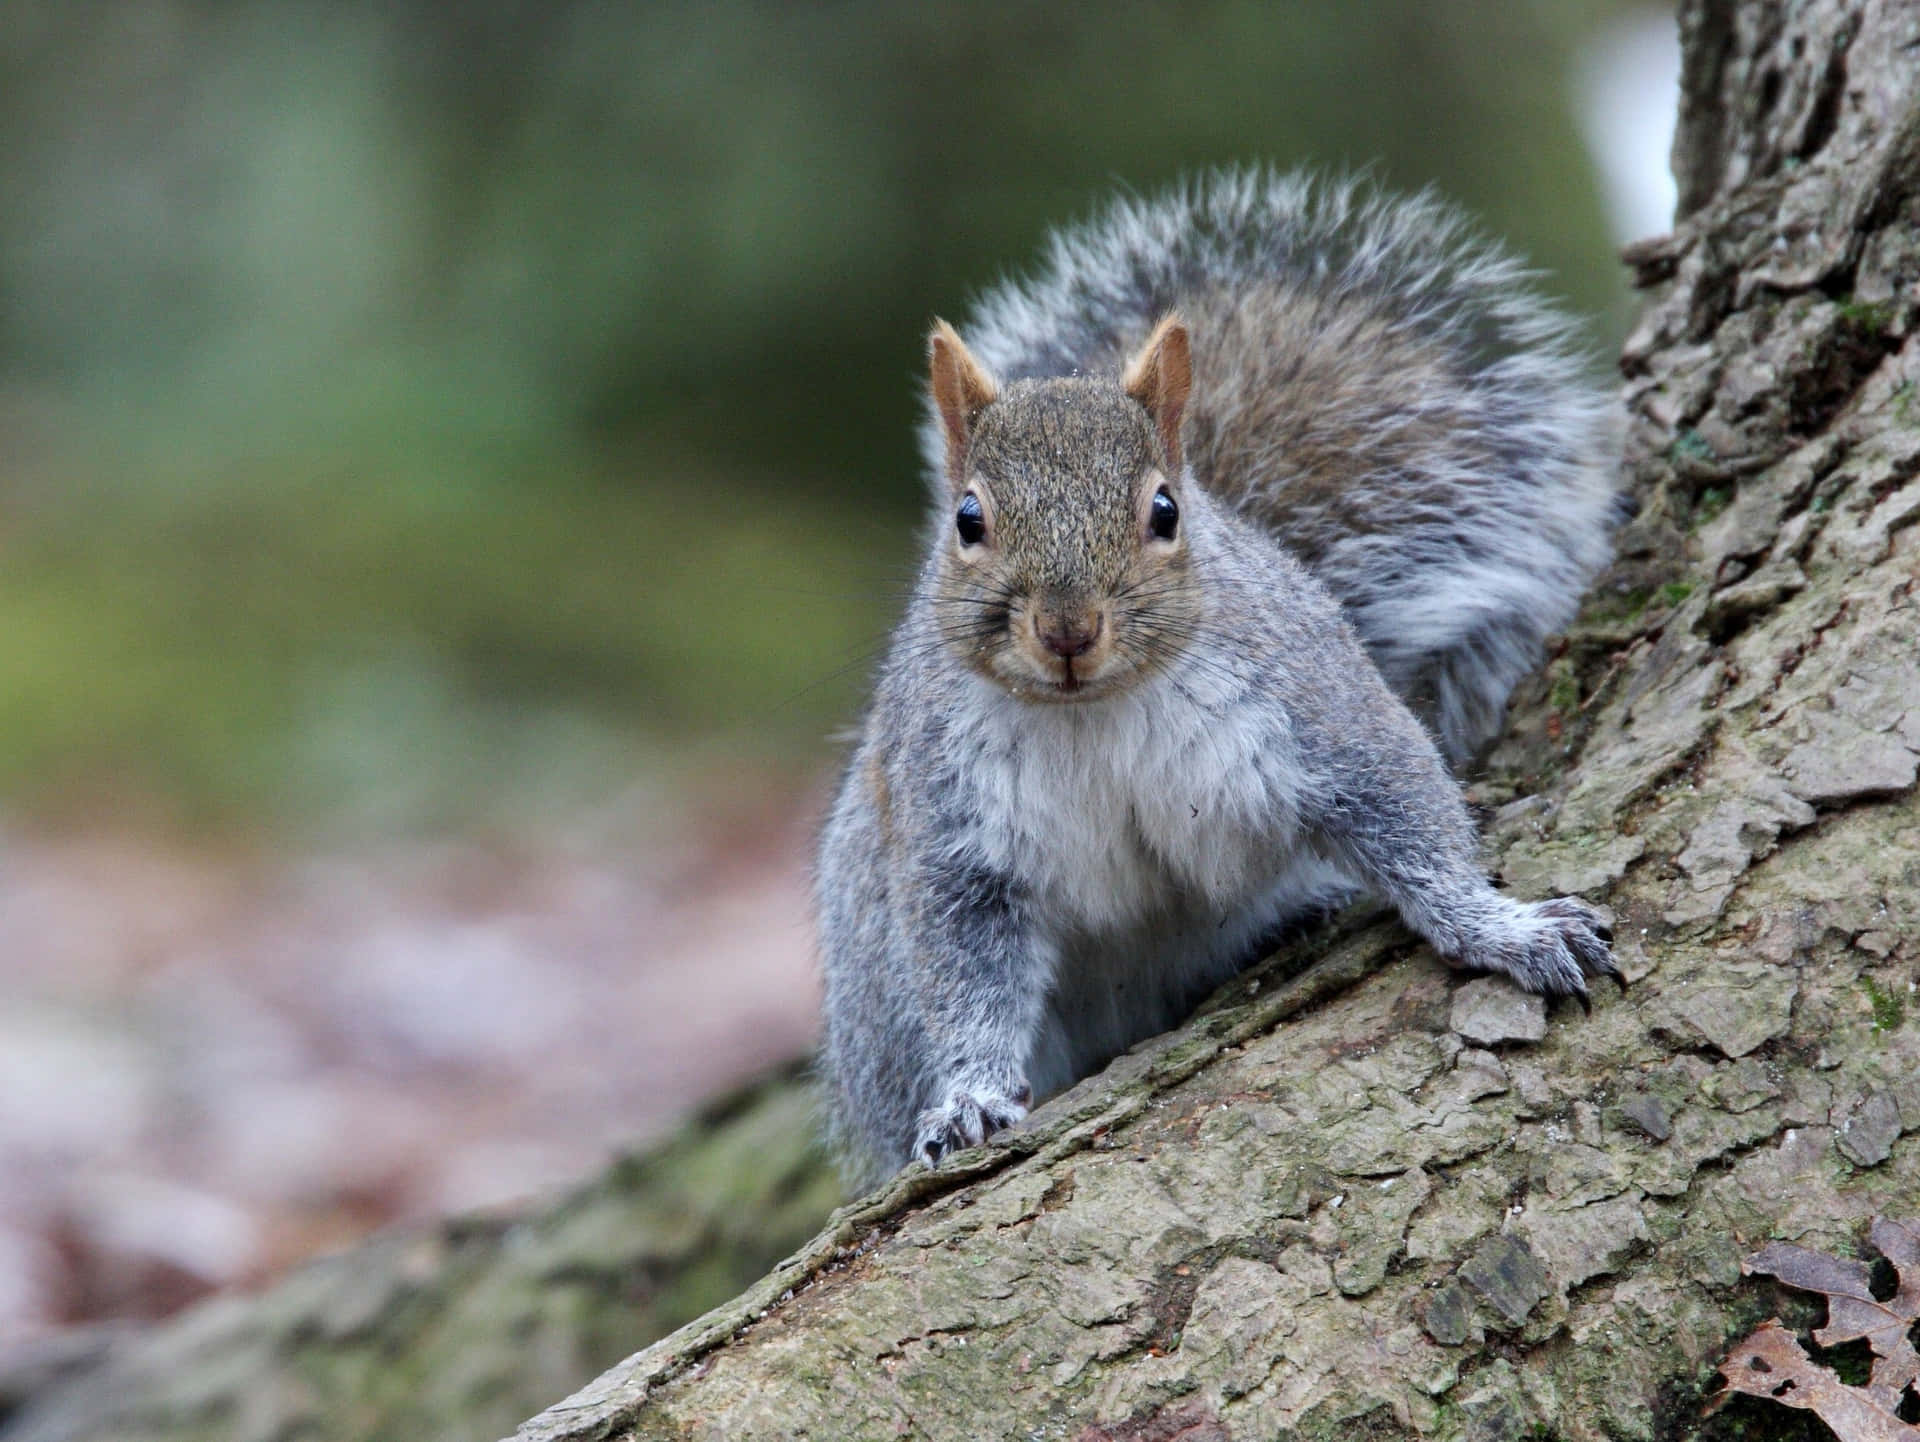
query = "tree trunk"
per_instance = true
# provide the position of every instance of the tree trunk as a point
(454, 1332)
(1389, 1212)
(1362, 1199)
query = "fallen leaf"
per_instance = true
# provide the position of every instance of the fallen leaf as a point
(1771, 1363)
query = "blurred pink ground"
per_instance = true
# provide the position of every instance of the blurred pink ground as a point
(211, 1066)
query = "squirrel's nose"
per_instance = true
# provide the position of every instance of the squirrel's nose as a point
(1070, 638)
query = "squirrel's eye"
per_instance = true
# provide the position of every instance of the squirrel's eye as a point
(970, 521)
(1163, 517)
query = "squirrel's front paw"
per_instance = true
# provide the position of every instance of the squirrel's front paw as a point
(1550, 947)
(972, 1113)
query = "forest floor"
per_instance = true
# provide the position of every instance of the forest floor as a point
(216, 1062)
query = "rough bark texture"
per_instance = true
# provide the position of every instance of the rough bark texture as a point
(1370, 1200)
(1387, 1213)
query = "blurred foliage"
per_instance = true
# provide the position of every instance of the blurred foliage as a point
(406, 411)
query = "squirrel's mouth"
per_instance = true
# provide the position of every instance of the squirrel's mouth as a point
(1065, 681)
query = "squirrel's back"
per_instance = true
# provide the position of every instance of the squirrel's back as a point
(1377, 385)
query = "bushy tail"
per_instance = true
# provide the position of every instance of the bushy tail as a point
(1374, 382)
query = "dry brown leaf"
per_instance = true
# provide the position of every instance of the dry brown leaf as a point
(1771, 1363)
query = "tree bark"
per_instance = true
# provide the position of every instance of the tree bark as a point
(1355, 1197)
(1386, 1212)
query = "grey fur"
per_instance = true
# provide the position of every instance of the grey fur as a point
(1394, 482)
(1378, 386)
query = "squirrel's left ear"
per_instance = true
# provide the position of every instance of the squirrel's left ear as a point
(961, 390)
(1159, 377)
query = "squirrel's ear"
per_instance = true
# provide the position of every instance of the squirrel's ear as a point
(961, 390)
(1159, 377)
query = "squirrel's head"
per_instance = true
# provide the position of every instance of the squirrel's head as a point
(1064, 569)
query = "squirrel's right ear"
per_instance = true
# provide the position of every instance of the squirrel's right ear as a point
(1159, 377)
(961, 390)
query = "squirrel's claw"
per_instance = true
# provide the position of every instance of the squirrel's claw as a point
(968, 1117)
(1550, 947)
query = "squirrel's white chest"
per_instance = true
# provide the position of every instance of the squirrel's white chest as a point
(1139, 808)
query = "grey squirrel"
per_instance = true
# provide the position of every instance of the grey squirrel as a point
(1251, 508)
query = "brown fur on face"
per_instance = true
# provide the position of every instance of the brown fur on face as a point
(1066, 469)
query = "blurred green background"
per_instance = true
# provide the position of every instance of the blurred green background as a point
(424, 415)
